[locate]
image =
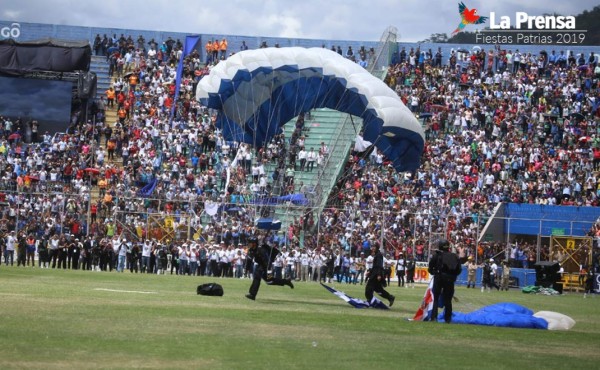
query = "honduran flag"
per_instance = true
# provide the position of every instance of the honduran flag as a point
(355, 302)
(424, 311)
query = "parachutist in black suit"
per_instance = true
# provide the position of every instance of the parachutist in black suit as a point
(376, 280)
(264, 257)
(445, 267)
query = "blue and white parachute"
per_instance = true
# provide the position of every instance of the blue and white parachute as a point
(258, 91)
(512, 315)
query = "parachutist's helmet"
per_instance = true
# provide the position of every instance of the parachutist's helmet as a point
(252, 242)
(442, 244)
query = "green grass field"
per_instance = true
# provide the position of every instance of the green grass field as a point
(96, 320)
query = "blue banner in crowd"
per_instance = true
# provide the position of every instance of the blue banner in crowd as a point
(190, 44)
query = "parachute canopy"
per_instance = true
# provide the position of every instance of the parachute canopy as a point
(258, 91)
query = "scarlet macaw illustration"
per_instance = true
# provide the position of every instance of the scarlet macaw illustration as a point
(468, 16)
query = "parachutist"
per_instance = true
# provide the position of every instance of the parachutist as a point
(376, 280)
(263, 256)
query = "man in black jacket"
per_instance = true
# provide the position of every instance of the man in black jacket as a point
(445, 267)
(376, 278)
(263, 256)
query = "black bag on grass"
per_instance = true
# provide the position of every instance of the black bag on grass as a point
(211, 289)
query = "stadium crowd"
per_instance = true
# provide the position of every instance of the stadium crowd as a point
(501, 126)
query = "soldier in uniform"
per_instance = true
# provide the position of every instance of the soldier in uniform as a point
(86, 254)
(471, 272)
(263, 257)
(410, 272)
(43, 258)
(21, 250)
(505, 276)
(75, 251)
(62, 253)
(162, 259)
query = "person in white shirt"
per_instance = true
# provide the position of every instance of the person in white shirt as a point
(369, 262)
(223, 261)
(121, 249)
(302, 158)
(146, 251)
(9, 252)
(311, 158)
(493, 274)
(316, 264)
(400, 269)
(304, 264)
(239, 264)
(184, 254)
(193, 260)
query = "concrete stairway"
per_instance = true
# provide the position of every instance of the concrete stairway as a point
(337, 130)
(99, 65)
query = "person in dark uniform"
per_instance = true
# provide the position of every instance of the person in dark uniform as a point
(75, 251)
(71, 246)
(22, 250)
(86, 254)
(134, 258)
(445, 267)
(163, 259)
(174, 260)
(62, 253)
(263, 256)
(43, 257)
(410, 272)
(376, 278)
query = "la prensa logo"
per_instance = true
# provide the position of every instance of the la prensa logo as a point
(467, 16)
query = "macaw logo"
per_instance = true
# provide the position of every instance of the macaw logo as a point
(468, 16)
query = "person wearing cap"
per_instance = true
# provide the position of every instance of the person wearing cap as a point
(445, 267)
(376, 278)
(263, 257)
(471, 272)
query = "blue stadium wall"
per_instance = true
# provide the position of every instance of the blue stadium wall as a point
(535, 219)
(23, 31)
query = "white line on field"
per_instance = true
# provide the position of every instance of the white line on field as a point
(124, 291)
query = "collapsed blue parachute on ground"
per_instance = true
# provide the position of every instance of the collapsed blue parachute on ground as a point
(512, 315)
(258, 91)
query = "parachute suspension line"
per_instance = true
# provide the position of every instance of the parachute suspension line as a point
(277, 120)
(238, 109)
(255, 147)
(271, 120)
(353, 125)
(297, 94)
(273, 101)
